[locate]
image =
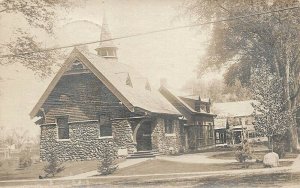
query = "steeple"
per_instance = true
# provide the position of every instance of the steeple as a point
(106, 47)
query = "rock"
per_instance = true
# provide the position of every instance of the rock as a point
(271, 160)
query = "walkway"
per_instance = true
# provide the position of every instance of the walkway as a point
(206, 158)
(197, 158)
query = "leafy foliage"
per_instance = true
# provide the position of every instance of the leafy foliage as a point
(244, 43)
(107, 165)
(53, 166)
(38, 14)
(25, 159)
(243, 152)
(272, 118)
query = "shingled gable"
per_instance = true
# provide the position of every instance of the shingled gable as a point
(107, 72)
(169, 93)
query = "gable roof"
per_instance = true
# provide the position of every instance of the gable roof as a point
(233, 109)
(107, 71)
(174, 93)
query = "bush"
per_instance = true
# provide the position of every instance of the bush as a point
(25, 159)
(107, 165)
(243, 152)
(280, 145)
(279, 148)
(53, 166)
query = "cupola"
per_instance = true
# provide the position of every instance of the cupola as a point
(106, 48)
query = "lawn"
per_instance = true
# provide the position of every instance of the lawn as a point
(256, 155)
(157, 166)
(9, 169)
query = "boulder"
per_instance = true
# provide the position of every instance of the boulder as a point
(271, 160)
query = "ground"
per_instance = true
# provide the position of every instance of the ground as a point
(9, 169)
(191, 170)
(157, 166)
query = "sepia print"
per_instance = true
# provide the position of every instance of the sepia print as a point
(157, 93)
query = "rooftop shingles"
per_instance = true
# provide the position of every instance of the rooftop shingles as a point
(137, 95)
(233, 109)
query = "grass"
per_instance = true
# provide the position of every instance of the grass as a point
(9, 169)
(256, 155)
(157, 166)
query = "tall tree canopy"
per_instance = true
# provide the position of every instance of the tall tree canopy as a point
(271, 118)
(244, 43)
(39, 15)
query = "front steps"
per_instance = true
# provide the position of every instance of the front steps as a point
(143, 154)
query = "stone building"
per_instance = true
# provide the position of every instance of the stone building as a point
(96, 103)
(197, 119)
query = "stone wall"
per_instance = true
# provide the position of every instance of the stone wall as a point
(123, 135)
(84, 142)
(163, 142)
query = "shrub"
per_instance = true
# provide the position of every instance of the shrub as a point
(107, 165)
(25, 159)
(243, 152)
(279, 148)
(53, 166)
(280, 144)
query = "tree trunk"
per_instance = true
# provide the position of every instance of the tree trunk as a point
(293, 130)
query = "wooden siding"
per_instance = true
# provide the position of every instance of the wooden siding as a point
(82, 97)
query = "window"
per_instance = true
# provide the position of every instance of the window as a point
(63, 127)
(103, 52)
(105, 125)
(169, 126)
(217, 136)
(200, 132)
(110, 52)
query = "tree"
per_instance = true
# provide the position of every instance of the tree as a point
(272, 119)
(244, 43)
(237, 92)
(40, 16)
(107, 165)
(25, 158)
(53, 166)
(243, 153)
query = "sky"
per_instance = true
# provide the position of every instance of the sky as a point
(173, 55)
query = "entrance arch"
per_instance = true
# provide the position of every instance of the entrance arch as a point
(142, 135)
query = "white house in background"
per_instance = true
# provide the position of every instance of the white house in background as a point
(239, 120)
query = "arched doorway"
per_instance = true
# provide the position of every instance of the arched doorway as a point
(143, 136)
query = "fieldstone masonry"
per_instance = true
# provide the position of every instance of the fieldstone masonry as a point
(123, 135)
(164, 143)
(84, 142)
